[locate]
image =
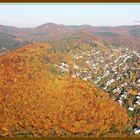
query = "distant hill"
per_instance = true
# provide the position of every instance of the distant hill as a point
(106, 34)
(11, 42)
(135, 32)
(127, 36)
(37, 102)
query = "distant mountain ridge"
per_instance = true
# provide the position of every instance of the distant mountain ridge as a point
(128, 36)
(48, 27)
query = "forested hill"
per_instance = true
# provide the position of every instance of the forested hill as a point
(36, 101)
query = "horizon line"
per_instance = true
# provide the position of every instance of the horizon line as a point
(71, 25)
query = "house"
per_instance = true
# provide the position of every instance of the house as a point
(114, 68)
(120, 101)
(138, 80)
(120, 64)
(114, 90)
(136, 130)
(87, 62)
(77, 57)
(137, 97)
(131, 108)
(123, 96)
(85, 78)
(118, 90)
(118, 78)
(126, 93)
(124, 84)
(137, 102)
(64, 67)
(108, 83)
(116, 72)
(105, 87)
(106, 65)
(64, 64)
(112, 80)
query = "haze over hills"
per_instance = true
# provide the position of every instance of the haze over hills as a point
(119, 35)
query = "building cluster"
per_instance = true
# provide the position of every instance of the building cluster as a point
(116, 71)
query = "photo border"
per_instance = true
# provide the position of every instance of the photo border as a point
(74, 2)
(69, 1)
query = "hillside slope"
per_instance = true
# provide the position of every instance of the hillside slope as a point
(11, 42)
(37, 102)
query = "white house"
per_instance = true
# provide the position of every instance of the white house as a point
(87, 62)
(131, 108)
(138, 80)
(137, 102)
(137, 130)
(138, 97)
(120, 102)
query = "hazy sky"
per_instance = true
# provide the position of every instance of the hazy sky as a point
(31, 15)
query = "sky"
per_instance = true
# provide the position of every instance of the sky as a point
(32, 15)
